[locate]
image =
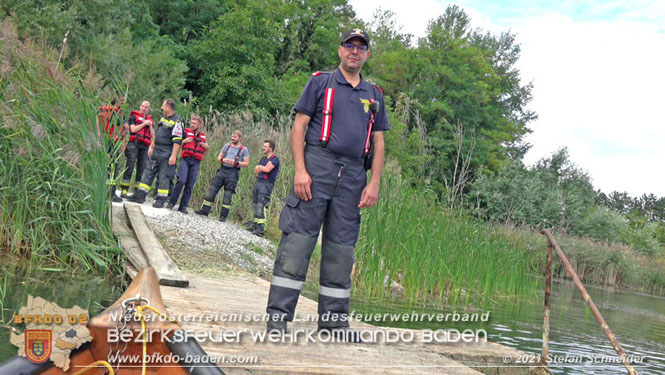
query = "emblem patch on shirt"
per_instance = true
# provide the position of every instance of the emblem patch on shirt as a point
(365, 104)
(177, 130)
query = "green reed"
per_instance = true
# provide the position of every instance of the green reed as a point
(54, 209)
(435, 254)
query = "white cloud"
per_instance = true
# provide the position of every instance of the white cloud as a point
(412, 15)
(597, 90)
(598, 85)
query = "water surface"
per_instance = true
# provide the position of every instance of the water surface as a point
(637, 320)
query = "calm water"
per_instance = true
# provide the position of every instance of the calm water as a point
(90, 292)
(638, 321)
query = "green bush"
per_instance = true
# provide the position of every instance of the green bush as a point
(602, 224)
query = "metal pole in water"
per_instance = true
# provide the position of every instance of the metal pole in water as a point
(589, 302)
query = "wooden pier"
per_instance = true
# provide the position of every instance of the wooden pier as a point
(217, 303)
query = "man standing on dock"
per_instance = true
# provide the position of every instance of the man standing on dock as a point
(233, 156)
(339, 118)
(163, 152)
(266, 175)
(194, 146)
(141, 131)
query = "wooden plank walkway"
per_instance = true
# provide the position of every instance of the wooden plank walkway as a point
(242, 294)
(247, 294)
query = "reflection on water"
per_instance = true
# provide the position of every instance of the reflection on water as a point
(638, 321)
(90, 292)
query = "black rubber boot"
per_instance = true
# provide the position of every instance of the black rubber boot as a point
(258, 230)
(276, 325)
(224, 215)
(204, 210)
(250, 226)
(138, 197)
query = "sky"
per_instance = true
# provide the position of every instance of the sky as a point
(598, 71)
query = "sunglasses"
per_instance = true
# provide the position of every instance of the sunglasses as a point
(350, 46)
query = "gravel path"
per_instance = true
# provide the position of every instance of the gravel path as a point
(201, 243)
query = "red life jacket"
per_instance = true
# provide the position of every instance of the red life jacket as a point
(142, 135)
(194, 148)
(105, 115)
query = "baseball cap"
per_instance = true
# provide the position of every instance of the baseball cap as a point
(355, 33)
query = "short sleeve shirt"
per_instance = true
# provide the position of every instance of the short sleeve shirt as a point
(169, 131)
(272, 176)
(232, 152)
(351, 114)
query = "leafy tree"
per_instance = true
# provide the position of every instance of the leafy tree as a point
(393, 60)
(310, 35)
(186, 20)
(116, 38)
(259, 53)
(471, 78)
(236, 58)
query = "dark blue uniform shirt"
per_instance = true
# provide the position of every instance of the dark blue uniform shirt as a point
(168, 132)
(272, 176)
(350, 117)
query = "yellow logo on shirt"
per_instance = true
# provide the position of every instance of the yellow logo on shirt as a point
(366, 104)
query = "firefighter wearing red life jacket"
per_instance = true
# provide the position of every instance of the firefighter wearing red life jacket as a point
(337, 123)
(163, 154)
(109, 119)
(266, 174)
(141, 132)
(233, 156)
(194, 147)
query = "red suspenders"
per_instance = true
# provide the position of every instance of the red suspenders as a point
(326, 123)
(328, 101)
(369, 128)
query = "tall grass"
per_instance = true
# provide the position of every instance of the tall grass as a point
(54, 209)
(435, 253)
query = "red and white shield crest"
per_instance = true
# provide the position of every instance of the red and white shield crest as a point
(38, 345)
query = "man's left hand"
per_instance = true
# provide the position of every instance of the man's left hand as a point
(369, 196)
(172, 160)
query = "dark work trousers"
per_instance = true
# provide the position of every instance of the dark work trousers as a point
(261, 198)
(137, 156)
(187, 173)
(113, 171)
(159, 167)
(337, 184)
(227, 178)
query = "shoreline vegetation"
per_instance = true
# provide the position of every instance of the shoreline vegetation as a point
(55, 212)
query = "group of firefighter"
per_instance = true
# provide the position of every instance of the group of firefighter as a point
(151, 148)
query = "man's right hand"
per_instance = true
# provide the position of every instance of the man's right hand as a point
(150, 149)
(302, 185)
